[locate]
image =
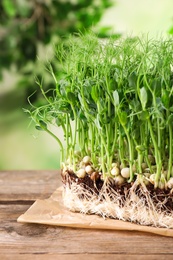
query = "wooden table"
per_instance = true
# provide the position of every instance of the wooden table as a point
(19, 189)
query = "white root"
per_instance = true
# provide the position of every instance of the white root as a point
(135, 206)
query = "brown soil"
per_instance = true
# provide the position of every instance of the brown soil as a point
(163, 199)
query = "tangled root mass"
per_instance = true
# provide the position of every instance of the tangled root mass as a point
(133, 202)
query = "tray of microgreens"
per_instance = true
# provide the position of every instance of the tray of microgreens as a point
(113, 100)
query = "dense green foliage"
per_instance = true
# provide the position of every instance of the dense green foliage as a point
(119, 94)
(27, 27)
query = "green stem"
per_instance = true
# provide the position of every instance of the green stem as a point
(170, 154)
(131, 154)
(93, 148)
(81, 137)
(114, 138)
(157, 155)
(140, 160)
(146, 143)
(121, 150)
(67, 136)
(75, 127)
(103, 162)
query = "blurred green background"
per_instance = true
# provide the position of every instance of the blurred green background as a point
(29, 30)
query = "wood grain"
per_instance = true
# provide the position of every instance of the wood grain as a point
(28, 185)
(83, 257)
(32, 241)
(33, 238)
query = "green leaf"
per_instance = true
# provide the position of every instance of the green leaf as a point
(136, 134)
(71, 96)
(112, 85)
(94, 93)
(170, 120)
(97, 122)
(122, 117)
(42, 124)
(165, 98)
(9, 7)
(39, 128)
(132, 79)
(59, 121)
(63, 88)
(81, 115)
(171, 109)
(135, 105)
(140, 148)
(156, 86)
(143, 97)
(144, 115)
(116, 98)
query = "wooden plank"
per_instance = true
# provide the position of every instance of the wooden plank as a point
(83, 257)
(28, 185)
(28, 239)
(18, 189)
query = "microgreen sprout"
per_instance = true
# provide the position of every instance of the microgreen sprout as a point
(114, 102)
